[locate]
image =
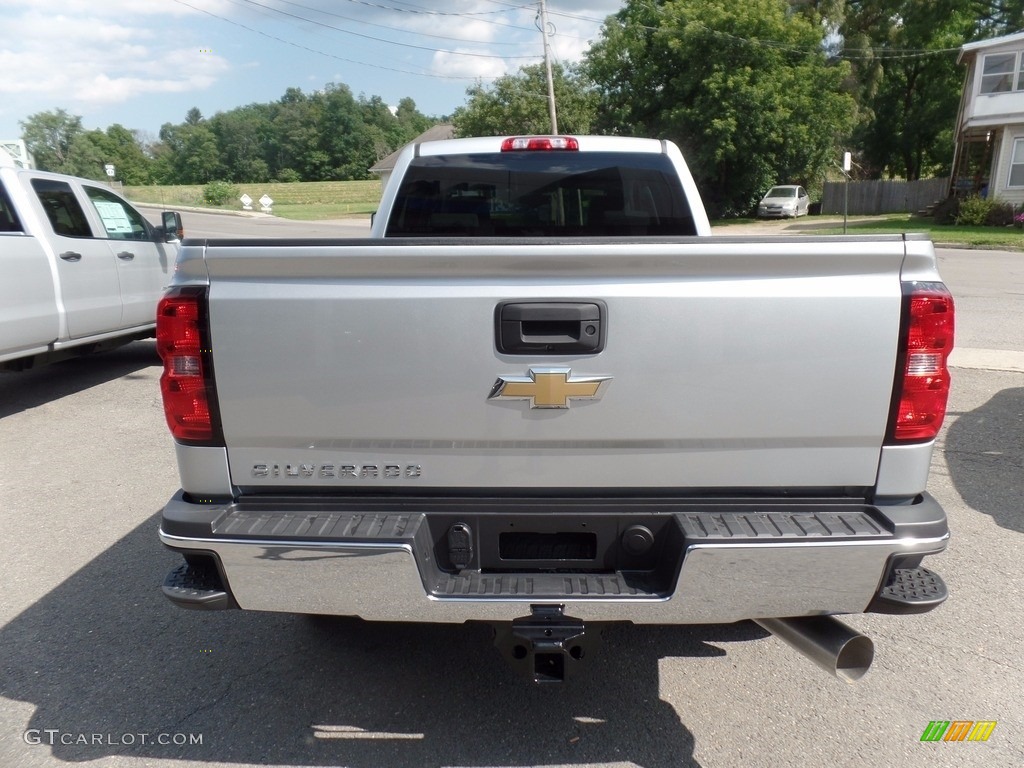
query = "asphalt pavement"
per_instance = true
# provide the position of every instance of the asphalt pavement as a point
(96, 666)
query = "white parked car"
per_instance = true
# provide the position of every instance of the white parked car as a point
(785, 201)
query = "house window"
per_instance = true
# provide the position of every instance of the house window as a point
(1017, 165)
(997, 74)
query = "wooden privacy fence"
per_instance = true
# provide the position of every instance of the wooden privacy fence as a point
(870, 198)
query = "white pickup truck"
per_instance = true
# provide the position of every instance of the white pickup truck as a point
(80, 268)
(542, 396)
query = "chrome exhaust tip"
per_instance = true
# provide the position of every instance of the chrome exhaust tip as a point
(838, 649)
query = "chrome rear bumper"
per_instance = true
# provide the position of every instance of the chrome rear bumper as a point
(725, 564)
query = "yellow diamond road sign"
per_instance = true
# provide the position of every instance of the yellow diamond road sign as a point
(549, 387)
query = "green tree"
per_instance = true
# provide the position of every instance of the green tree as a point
(347, 142)
(193, 157)
(161, 162)
(50, 137)
(383, 130)
(121, 147)
(390, 128)
(58, 143)
(518, 104)
(411, 121)
(745, 88)
(243, 142)
(87, 156)
(904, 56)
(295, 144)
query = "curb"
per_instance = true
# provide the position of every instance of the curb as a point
(195, 209)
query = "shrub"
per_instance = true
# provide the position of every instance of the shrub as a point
(1001, 215)
(219, 192)
(288, 176)
(973, 211)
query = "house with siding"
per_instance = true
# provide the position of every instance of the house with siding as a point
(989, 156)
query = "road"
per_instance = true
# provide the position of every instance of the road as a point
(255, 224)
(90, 651)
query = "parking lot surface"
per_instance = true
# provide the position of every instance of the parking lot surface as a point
(96, 666)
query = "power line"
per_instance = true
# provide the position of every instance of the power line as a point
(425, 12)
(552, 12)
(331, 55)
(380, 39)
(397, 29)
(507, 8)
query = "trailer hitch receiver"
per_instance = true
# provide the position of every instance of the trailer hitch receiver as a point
(547, 646)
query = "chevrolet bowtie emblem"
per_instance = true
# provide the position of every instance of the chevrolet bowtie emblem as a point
(549, 387)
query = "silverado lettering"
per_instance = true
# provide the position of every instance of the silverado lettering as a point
(325, 471)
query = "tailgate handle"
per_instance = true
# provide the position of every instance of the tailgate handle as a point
(551, 327)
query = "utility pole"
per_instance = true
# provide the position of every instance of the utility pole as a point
(547, 66)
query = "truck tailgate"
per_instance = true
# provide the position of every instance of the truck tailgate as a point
(727, 363)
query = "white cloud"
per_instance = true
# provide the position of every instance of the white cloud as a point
(577, 26)
(103, 59)
(470, 67)
(107, 90)
(114, 9)
(90, 59)
(515, 37)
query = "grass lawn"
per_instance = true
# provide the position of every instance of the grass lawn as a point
(305, 201)
(1002, 238)
(983, 237)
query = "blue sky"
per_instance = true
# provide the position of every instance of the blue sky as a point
(143, 63)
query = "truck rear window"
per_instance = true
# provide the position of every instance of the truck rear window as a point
(541, 194)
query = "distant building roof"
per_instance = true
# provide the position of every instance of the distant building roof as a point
(1016, 37)
(437, 133)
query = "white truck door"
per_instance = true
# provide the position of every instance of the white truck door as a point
(142, 263)
(89, 285)
(28, 301)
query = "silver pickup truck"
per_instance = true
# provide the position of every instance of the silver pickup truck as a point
(542, 396)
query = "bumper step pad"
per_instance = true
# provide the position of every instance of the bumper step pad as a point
(910, 590)
(547, 586)
(197, 587)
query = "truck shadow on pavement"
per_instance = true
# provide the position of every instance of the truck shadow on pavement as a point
(113, 669)
(23, 390)
(985, 454)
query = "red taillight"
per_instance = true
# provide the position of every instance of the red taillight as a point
(539, 143)
(924, 383)
(185, 386)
